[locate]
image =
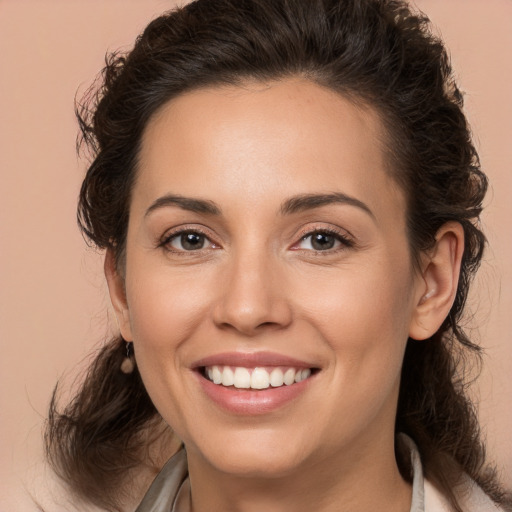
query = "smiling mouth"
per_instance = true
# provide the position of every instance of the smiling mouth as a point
(257, 378)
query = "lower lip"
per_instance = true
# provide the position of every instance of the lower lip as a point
(252, 402)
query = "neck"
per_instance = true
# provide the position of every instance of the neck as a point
(364, 477)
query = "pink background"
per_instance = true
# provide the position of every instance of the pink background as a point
(53, 301)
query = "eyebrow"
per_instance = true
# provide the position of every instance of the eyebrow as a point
(185, 203)
(293, 205)
(309, 201)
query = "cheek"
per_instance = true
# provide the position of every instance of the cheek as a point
(163, 306)
(363, 316)
(360, 300)
(165, 309)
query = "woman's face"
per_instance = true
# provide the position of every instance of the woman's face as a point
(267, 244)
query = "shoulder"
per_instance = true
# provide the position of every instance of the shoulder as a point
(427, 498)
(471, 499)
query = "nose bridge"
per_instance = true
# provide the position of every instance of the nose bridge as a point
(252, 297)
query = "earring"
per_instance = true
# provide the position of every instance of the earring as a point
(128, 364)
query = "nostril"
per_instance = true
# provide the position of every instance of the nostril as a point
(268, 324)
(250, 326)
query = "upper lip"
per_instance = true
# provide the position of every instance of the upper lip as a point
(251, 360)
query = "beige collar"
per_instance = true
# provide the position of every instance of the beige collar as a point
(170, 491)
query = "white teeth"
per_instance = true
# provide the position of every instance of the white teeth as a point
(260, 379)
(228, 377)
(289, 376)
(301, 375)
(217, 375)
(257, 378)
(242, 378)
(276, 378)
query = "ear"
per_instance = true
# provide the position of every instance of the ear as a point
(440, 276)
(117, 293)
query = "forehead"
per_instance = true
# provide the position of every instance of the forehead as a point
(283, 138)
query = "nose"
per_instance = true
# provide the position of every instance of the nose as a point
(253, 297)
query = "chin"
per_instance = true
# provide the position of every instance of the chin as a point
(255, 456)
(257, 466)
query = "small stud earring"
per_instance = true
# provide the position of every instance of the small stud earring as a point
(128, 364)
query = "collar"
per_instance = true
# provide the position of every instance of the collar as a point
(167, 492)
(418, 483)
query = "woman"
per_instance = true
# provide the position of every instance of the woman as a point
(288, 197)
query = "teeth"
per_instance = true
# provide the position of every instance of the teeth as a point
(228, 377)
(260, 379)
(289, 377)
(242, 378)
(276, 378)
(216, 375)
(304, 374)
(257, 378)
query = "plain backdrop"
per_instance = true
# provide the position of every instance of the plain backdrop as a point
(53, 301)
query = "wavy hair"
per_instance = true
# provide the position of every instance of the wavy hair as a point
(377, 52)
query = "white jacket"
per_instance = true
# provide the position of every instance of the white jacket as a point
(426, 498)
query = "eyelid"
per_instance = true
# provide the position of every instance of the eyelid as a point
(172, 233)
(345, 237)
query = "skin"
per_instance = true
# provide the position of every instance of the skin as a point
(258, 284)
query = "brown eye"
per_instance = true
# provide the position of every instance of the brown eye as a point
(321, 241)
(324, 240)
(189, 241)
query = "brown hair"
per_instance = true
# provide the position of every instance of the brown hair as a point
(377, 52)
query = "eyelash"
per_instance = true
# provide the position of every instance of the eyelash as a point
(169, 237)
(345, 241)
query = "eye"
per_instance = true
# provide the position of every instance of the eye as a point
(323, 241)
(187, 241)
